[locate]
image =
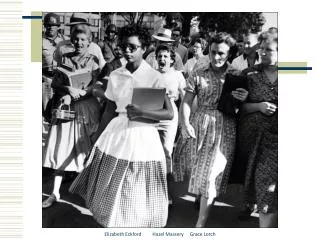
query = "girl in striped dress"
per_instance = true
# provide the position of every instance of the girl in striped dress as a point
(206, 147)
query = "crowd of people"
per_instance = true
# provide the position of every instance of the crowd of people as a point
(219, 113)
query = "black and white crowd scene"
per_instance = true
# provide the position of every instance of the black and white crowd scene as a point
(219, 118)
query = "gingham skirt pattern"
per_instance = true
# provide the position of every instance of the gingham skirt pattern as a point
(122, 193)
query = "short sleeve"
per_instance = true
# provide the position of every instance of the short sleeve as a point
(182, 81)
(109, 91)
(191, 84)
(96, 51)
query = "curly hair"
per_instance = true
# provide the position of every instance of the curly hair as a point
(168, 48)
(200, 40)
(135, 30)
(81, 29)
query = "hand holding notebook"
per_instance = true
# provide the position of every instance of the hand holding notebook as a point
(145, 99)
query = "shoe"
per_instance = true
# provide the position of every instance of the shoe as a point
(49, 201)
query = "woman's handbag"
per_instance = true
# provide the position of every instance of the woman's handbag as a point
(63, 112)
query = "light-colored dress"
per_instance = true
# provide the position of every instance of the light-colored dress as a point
(208, 158)
(69, 142)
(173, 82)
(124, 184)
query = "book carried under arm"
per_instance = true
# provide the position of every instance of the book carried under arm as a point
(148, 99)
(79, 79)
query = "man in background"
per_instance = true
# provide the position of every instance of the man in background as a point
(109, 43)
(163, 36)
(178, 47)
(250, 55)
(51, 38)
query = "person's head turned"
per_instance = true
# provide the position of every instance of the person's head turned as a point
(269, 48)
(134, 40)
(219, 48)
(81, 37)
(165, 56)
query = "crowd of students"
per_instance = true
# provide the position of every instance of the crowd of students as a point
(126, 166)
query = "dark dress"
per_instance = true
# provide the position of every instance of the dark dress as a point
(258, 143)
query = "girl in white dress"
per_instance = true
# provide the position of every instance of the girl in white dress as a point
(69, 141)
(124, 184)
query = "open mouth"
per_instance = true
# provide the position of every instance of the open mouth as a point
(162, 64)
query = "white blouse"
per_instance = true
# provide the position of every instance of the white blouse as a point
(122, 82)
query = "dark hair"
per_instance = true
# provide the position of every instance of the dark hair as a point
(223, 37)
(168, 48)
(200, 40)
(135, 30)
(81, 29)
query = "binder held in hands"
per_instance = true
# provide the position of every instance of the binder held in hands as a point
(148, 99)
(79, 79)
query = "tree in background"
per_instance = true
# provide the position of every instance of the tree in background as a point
(233, 23)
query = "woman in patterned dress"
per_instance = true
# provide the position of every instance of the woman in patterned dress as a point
(258, 131)
(208, 150)
(69, 142)
(124, 184)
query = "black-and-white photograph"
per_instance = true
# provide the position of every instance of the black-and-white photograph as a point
(154, 119)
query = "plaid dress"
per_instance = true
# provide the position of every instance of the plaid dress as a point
(124, 183)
